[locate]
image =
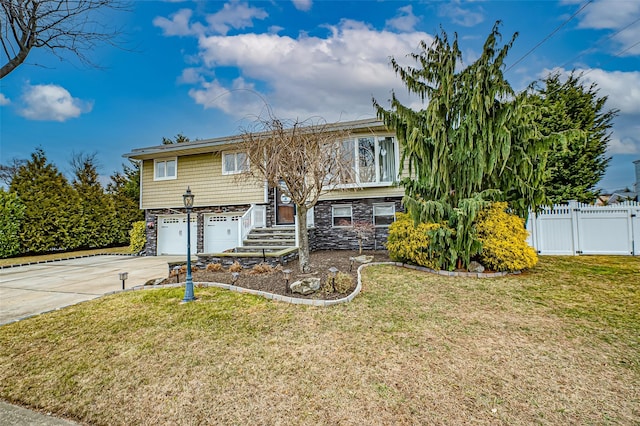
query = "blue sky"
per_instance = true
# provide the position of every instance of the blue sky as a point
(208, 68)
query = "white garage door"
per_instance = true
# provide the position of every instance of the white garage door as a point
(172, 234)
(220, 232)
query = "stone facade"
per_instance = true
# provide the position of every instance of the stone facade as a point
(324, 236)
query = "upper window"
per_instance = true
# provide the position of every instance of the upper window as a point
(235, 162)
(373, 159)
(384, 214)
(165, 169)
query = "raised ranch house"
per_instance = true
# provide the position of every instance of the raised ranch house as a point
(232, 214)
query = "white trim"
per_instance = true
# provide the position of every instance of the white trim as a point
(373, 211)
(236, 169)
(156, 161)
(339, 206)
(141, 163)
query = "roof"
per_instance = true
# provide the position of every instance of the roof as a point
(216, 144)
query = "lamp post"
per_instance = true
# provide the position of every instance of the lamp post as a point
(188, 283)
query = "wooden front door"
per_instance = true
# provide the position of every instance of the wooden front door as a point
(285, 209)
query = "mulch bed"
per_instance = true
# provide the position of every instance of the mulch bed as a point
(274, 282)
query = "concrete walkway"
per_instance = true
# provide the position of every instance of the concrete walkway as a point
(34, 289)
(30, 290)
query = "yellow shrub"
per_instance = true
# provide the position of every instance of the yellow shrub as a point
(503, 237)
(137, 237)
(410, 244)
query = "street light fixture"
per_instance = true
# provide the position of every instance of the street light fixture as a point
(187, 197)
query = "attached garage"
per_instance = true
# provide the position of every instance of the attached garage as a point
(172, 235)
(220, 232)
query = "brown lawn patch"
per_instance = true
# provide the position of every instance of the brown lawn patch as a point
(558, 345)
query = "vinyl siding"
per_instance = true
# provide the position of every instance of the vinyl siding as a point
(203, 174)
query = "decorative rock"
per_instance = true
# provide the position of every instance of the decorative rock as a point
(475, 267)
(306, 286)
(155, 281)
(363, 259)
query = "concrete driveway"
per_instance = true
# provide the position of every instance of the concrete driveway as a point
(29, 290)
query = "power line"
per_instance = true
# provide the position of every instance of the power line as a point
(550, 35)
(610, 36)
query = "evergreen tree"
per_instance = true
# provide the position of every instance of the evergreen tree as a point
(51, 216)
(124, 190)
(574, 110)
(97, 211)
(11, 214)
(475, 141)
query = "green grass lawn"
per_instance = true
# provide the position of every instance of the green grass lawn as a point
(556, 345)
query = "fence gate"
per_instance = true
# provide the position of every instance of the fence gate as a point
(585, 229)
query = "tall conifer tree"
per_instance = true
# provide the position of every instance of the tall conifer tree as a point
(51, 216)
(473, 142)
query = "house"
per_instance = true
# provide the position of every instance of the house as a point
(230, 213)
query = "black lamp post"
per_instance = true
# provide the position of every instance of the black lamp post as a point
(188, 284)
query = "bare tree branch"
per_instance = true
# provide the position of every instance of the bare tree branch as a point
(55, 25)
(305, 156)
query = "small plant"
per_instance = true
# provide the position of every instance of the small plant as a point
(262, 268)
(343, 282)
(363, 230)
(236, 267)
(214, 267)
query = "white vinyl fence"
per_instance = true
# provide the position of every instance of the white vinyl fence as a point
(577, 228)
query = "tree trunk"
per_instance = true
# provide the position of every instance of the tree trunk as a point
(303, 238)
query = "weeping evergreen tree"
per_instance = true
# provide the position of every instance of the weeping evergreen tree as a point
(476, 141)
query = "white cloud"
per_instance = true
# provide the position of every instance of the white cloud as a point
(49, 102)
(4, 100)
(461, 16)
(617, 16)
(236, 15)
(334, 77)
(304, 5)
(177, 25)
(404, 21)
(233, 15)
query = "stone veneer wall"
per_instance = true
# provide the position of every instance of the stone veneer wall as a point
(325, 237)
(151, 216)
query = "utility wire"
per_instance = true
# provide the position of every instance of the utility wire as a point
(612, 35)
(550, 35)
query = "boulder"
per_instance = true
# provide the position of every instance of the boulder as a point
(305, 286)
(363, 259)
(475, 267)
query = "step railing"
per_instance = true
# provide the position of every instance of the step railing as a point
(255, 217)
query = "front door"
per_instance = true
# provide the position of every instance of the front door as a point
(285, 209)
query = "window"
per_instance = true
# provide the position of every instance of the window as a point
(165, 169)
(341, 215)
(236, 162)
(384, 214)
(373, 159)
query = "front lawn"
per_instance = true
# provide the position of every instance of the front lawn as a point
(557, 345)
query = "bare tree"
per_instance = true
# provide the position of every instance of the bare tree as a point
(56, 25)
(304, 159)
(9, 170)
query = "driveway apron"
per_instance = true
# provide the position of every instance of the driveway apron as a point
(33, 289)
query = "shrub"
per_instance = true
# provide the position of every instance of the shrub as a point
(137, 237)
(408, 243)
(214, 267)
(503, 237)
(236, 267)
(344, 282)
(262, 268)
